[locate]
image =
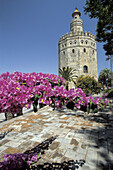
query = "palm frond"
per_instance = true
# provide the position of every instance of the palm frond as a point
(68, 73)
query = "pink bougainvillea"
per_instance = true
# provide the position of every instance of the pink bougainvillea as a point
(18, 90)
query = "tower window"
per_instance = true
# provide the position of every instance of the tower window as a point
(64, 52)
(73, 51)
(84, 50)
(85, 69)
(86, 42)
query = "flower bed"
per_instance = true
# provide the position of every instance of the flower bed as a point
(20, 90)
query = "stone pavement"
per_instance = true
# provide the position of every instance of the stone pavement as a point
(79, 136)
(24, 110)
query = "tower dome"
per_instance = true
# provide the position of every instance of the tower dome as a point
(76, 12)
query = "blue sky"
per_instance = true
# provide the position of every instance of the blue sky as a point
(30, 31)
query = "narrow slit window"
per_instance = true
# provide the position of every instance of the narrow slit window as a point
(73, 51)
(84, 50)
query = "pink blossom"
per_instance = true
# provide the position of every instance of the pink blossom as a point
(77, 106)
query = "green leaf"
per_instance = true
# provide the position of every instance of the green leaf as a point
(88, 110)
(103, 11)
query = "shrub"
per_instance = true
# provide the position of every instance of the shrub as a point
(19, 161)
(106, 91)
(88, 84)
(105, 77)
(110, 93)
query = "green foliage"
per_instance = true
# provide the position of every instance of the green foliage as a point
(105, 77)
(35, 103)
(88, 110)
(102, 10)
(95, 110)
(88, 84)
(110, 93)
(89, 107)
(106, 91)
(69, 74)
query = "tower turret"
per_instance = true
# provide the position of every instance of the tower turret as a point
(77, 23)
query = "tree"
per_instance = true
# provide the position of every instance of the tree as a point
(105, 77)
(68, 74)
(88, 84)
(103, 11)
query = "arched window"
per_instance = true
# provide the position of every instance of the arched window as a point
(64, 52)
(73, 51)
(85, 69)
(86, 42)
(82, 41)
(84, 50)
(70, 42)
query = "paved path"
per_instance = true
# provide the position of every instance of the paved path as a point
(79, 136)
(24, 111)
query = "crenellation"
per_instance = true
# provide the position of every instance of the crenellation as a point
(85, 33)
(89, 34)
(82, 33)
(65, 36)
(71, 34)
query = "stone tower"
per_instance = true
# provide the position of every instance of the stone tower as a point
(78, 50)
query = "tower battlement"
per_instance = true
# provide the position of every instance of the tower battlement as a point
(78, 33)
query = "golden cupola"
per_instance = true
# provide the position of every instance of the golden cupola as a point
(76, 12)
